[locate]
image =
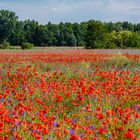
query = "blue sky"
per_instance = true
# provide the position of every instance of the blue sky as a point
(74, 10)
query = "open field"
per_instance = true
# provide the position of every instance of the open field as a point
(69, 49)
(70, 95)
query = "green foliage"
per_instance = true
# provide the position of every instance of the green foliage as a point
(18, 35)
(41, 35)
(97, 37)
(26, 45)
(135, 40)
(8, 21)
(108, 42)
(92, 34)
(67, 36)
(125, 39)
(96, 32)
(29, 29)
(79, 31)
(4, 45)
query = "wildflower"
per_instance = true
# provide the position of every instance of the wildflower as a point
(129, 135)
(17, 123)
(72, 131)
(91, 127)
(100, 116)
(74, 120)
(59, 99)
(23, 114)
(110, 137)
(74, 137)
(45, 115)
(137, 108)
(13, 138)
(138, 130)
(82, 135)
(2, 99)
(12, 129)
(35, 131)
(55, 124)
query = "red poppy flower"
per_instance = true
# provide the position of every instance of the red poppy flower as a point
(129, 135)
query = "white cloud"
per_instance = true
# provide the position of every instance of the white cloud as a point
(54, 9)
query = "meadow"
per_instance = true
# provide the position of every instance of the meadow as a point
(69, 95)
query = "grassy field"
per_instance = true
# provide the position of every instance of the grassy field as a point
(61, 49)
(70, 94)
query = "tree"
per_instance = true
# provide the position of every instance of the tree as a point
(137, 28)
(8, 21)
(96, 33)
(40, 36)
(54, 33)
(18, 35)
(125, 25)
(93, 34)
(118, 27)
(78, 32)
(29, 29)
(62, 30)
(130, 27)
(125, 39)
(67, 36)
(108, 42)
(134, 40)
(71, 40)
(110, 27)
(44, 37)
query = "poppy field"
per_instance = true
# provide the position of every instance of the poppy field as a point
(69, 95)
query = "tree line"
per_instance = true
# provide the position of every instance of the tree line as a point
(92, 34)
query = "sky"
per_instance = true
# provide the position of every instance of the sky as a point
(57, 11)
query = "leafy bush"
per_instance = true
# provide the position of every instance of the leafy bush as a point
(135, 40)
(108, 42)
(4, 45)
(26, 45)
(125, 39)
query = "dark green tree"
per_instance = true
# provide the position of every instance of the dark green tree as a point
(54, 34)
(18, 35)
(79, 32)
(110, 27)
(29, 29)
(40, 36)
(96, 32)
(8, 21)
(67, 36)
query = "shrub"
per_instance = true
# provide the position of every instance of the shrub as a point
(135, 40)
(4, 45)
(125, 39)
(26, 45)
(108, 42)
